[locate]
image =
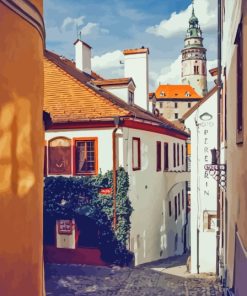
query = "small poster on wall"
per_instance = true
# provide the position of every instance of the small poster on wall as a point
(65, 227)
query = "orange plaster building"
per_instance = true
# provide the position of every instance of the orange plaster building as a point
(21, 145)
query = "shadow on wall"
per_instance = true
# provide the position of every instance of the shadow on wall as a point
(16, 168)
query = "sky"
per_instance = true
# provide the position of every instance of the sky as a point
(110, 26)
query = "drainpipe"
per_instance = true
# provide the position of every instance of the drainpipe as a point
(219, 84)
(114, 172)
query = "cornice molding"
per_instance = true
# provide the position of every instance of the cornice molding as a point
(29, 12)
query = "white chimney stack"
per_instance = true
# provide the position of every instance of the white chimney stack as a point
(83, 56)
(136, 66)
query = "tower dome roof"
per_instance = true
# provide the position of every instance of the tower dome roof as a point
(193, 19)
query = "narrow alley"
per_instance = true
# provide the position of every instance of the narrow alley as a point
(166, 277)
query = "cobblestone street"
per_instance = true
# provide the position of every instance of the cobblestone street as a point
(166, 277)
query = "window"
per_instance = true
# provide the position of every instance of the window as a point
(182, 146)
(45, 159)
(176, 208)
(239, 43)
(182, 199)
(179, 203)
(170, 208)
(175, 105)
(86, 156)
(161, 105)
(136, 154)
(174, 155)
(189, 105)
(178, 154)
(158, 156)
(196, 70)
(176, 115)
(166, 157)
(131, 98)
(209, 221)
(59, 156)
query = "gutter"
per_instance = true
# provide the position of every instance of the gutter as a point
(219, 85)
(114, 172)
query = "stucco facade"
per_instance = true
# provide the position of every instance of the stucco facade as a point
(154, 234)
(234, 137)
(174, 110)
(21, 143)
(203, 127)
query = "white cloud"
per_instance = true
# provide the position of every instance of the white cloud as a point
(205, 10)
(72, 21)
(107, 60)
(172, 74)
(93, 28)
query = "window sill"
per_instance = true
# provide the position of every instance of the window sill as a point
(136, 169)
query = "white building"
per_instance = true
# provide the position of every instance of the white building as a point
(201, 120)
(151, 149)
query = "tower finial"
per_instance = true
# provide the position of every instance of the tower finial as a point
(193, 10)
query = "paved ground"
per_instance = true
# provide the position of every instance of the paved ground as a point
(167, 277)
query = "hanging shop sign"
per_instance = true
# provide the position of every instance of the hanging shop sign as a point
(65, 227)
(105, 191)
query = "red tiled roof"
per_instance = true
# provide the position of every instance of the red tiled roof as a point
(117, 81)
(213, 71)
(70, 97)
(135, 51)
(178, 92)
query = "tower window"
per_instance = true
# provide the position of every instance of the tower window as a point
(175, 105)
(196, 70)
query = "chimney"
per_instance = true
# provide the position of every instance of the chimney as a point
(83, 56)
(136, 66)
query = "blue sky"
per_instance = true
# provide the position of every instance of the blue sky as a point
(110, 26)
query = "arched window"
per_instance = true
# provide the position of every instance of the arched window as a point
(59, 156)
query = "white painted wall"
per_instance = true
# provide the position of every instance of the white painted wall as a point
(121, 91)
(203, 186)
(136, 66)
(152, 231)
(83, 56)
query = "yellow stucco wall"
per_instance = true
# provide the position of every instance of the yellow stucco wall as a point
(236, 154)
(21, 155)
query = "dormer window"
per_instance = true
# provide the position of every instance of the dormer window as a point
(131, 98)
(162, 94)
(187, 94)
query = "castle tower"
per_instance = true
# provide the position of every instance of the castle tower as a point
(194, 61)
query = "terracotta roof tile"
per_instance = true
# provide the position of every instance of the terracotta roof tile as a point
(213, 71)
(68, 100)
(70, 97)
(116, 81)
(135, 51)
(178, 92)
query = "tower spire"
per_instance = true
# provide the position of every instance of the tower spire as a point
(193, 9)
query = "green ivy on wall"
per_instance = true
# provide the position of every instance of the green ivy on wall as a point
(72, 197)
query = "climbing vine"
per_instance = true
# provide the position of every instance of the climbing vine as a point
(71, 197)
